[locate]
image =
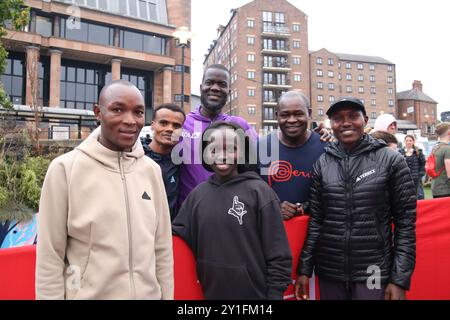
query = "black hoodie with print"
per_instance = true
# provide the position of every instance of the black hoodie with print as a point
(237, 236)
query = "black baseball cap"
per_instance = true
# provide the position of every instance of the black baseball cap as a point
(346, 102)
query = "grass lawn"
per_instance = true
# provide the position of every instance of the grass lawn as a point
(428, 194)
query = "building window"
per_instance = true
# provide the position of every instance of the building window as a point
(348, 76)
(269, 96)
(373, 102)
(250, 23)
(389, 68)
(371, 67)
(390, 79)
(267, 44)
(296, 27)
(330, 74)
(319, 60)
(373, 115)
(13, 79)
(331, 98)
(348, 65)
(251, 110)
(296, 44)
(88, 32)
(251, 75)
(142, 42)
(360, 66)
(349, 89)
(320, 112)
(319, 85)
(373, 90)
(250, 57)
(250, 41)
(178, 98)
(372, 78)
(390, 91)
(44, 26)
(330, 62)
(279, 18)
(331, 86)
(81, 84)
(267, 16)
(179, 68)
(296, 60)
(269, 114)
(361, 90)
(360, 77)
(319, 73)
(320, 98)
(297, 77)
(251, 92)
(391, 103)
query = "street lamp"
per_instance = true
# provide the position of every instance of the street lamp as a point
(183, 35)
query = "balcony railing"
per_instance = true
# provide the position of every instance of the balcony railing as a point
(278, 30)
(276, 65)
(276, 83)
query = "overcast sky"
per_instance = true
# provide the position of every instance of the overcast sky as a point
(409, 33)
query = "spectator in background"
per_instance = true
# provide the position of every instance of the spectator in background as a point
(167, 122)
(440, 186)
(416, 162)
(386, 122)
(390, 139)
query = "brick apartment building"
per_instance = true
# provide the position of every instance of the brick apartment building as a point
(78, 46)
(414, 105)
(265, 47)
(336, 75)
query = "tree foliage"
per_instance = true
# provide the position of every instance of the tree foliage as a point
(13, 15)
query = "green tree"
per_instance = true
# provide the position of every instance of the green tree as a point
(14, 15)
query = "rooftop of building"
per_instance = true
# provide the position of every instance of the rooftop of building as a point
(357, 57)
(414, 94)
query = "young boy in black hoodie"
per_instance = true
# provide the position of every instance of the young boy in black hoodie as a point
(233, 225)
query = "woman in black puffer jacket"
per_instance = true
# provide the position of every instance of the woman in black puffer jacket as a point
(360, 188)
(416, 162)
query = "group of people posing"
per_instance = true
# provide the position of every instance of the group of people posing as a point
(109, 208)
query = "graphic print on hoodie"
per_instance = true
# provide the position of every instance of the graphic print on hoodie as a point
(237, 236)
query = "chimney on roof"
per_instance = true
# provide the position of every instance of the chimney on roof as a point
(417, 84)
(220, 28)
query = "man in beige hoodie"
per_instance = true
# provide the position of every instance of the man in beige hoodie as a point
(104, 228)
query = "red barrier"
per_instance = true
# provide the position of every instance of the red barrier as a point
(431, 279)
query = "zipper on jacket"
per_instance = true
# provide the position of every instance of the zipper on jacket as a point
(130, 241)
(349, 207)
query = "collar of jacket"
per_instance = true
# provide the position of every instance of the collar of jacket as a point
(366, 144)
(109, 158)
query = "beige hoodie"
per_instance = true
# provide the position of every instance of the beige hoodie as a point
(104, 228)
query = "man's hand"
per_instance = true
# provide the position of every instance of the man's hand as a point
(301, 288)
(394, 292)
(288, 210)
(325, 135)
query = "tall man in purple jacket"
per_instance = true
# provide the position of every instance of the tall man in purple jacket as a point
(214, 92)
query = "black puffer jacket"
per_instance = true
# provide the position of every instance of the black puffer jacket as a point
(355, 198)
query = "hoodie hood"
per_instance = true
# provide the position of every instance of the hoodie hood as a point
(107, 157)
(383, 122)
(198, 116)
(366, 144)
(250, 175)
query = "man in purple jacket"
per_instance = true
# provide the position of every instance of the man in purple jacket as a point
(214, 92)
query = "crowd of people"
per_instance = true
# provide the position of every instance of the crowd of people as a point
(109, 208)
